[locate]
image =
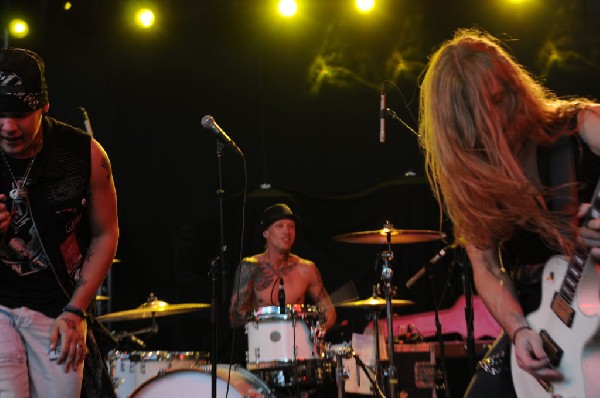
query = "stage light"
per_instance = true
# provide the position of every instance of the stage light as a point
(18, 28)
(365, 6)
(145, 17)
(68, 5)
(287, 8)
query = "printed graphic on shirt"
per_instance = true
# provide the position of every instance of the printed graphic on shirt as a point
(22, 249)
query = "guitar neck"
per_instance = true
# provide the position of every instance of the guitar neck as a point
(562, 303)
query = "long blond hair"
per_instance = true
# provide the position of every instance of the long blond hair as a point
(479, 109)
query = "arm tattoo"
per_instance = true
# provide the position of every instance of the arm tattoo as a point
(81, 281)
(242, 297)
(70, 323)
(105, 164)
(89, 255)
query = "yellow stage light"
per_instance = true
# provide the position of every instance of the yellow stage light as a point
(287, 8)
(365, 6)
(145, 17)
(18, 28)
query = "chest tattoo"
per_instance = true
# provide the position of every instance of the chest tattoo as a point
(267, 274)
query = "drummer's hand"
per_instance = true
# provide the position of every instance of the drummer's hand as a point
(68, 332)
(589, 234)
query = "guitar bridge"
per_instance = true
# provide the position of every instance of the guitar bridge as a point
(552, 349)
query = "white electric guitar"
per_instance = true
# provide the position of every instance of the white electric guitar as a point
(568, 320)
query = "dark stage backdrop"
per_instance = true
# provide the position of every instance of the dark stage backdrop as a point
(301, 98)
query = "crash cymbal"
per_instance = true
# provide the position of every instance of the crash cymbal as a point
(374, 303)
(102, 298)
(397, 236)
(153, 309)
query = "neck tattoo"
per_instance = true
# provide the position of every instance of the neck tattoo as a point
(19, 193)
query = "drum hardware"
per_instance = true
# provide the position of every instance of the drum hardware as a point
(126, 336)
(196, 382)
(102, 298)
(345, 351)
(374, 303)
(388, 235)
(152, 308)
(286, 349)
(130, 369)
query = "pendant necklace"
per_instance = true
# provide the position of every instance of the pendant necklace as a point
(19, 193)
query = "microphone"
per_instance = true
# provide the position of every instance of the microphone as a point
(281, 297)
(382, 113)
(86, 121)
(208, 122)
(441, 254)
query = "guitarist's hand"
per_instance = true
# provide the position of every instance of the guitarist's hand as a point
(532, 358)
(589, 234)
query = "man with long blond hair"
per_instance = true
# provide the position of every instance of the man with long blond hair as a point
(511, 164)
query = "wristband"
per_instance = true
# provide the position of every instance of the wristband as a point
(520, 328)
(76, 311)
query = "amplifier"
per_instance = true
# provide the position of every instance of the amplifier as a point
(416, 366)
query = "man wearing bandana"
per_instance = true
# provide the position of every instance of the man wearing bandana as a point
(58, 237)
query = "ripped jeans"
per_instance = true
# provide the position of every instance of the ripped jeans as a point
(25, 367)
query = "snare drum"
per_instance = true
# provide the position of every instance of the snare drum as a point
(187, 383)
(129, 370)
(278, 340)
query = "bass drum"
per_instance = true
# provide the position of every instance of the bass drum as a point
(184, 383)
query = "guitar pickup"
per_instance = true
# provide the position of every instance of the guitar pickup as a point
(552, 349)
(562, 309)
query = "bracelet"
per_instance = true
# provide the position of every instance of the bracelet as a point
(520, 328)
(75, 310)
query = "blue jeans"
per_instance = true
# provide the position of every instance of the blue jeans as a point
(25, 367)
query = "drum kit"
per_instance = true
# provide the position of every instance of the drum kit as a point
(287, 352)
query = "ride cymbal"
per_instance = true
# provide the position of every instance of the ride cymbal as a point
(153, 309)
(396, 236)
(374, 303)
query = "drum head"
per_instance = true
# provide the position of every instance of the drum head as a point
(183, 383)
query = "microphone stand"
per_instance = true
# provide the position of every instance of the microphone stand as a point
(214, 275)
(440, 381)
(469, 312)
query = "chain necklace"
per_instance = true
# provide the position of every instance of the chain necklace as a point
(19, 193)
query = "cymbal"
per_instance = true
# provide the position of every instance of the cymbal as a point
(102, 298)
(152, 309)
(397, 236)
(374, 302)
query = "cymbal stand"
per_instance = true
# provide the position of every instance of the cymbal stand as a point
(387, 276)
(340, 377)
(376, 343)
